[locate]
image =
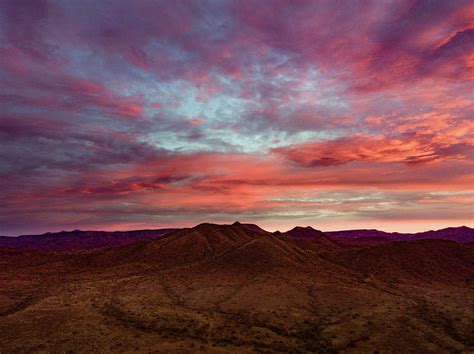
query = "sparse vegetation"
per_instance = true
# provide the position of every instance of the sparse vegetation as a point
(144, 298)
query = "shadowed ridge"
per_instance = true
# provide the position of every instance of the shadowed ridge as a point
(79, 240)
(358, 234)
(462, 234)
(308, 231)
(83, 233)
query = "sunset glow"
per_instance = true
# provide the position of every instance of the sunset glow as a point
(119, 115)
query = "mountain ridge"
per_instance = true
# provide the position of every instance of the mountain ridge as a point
(79, 240)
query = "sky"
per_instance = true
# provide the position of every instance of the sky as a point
(119, 115)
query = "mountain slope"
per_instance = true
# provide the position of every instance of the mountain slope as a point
(421, 260)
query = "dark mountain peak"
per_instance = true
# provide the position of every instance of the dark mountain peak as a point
(237, 228)
(57, 234)
(222, 231)
(301, 228)
(358, 231)
(308, 231)
(205, 225)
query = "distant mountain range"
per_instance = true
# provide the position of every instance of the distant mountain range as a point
(462, 234)
(95, 240)
(80, 240)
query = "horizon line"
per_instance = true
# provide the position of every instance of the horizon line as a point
(227, 224)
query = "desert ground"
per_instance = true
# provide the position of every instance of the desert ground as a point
(231, 288)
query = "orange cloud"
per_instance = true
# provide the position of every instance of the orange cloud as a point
(409, 149)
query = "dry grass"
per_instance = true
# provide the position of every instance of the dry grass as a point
(238, 297)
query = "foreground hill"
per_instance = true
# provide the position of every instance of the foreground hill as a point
(234, 288)
(233, 246)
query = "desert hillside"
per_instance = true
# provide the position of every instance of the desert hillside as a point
(238, 288)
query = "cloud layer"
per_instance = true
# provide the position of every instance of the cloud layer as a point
(124, 114)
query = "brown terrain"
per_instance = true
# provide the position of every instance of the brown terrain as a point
(237, 288)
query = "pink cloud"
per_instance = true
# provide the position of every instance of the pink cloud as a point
(196, 121)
